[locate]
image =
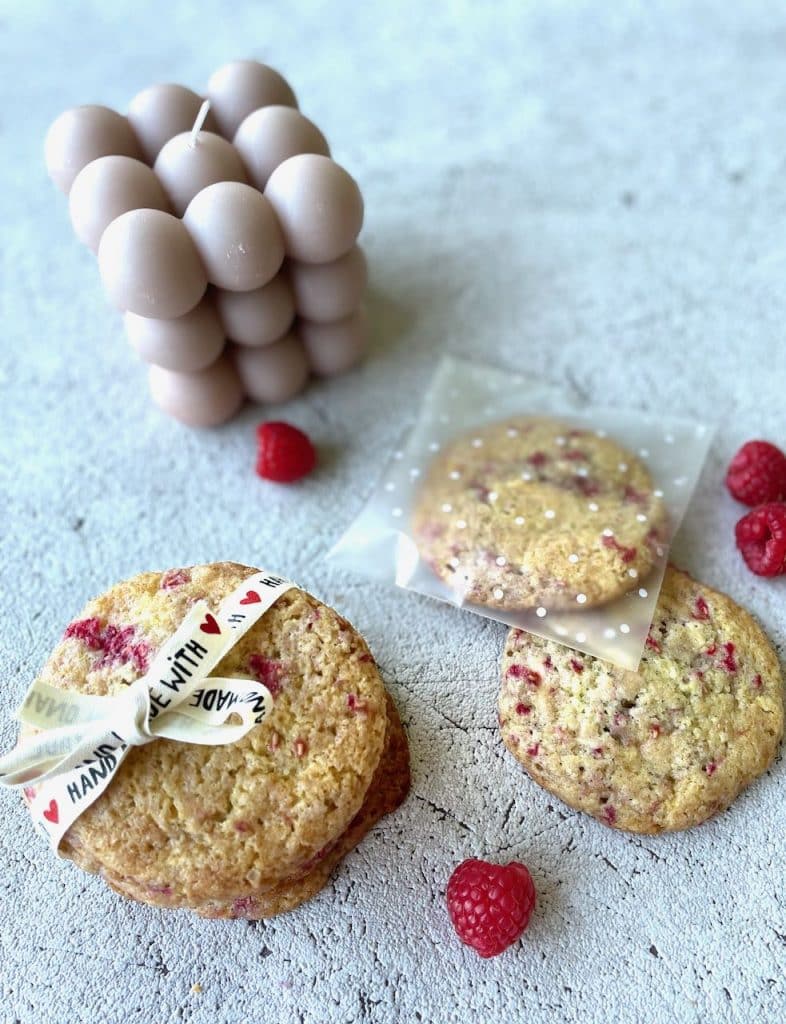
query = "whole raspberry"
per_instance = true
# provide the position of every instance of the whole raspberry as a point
(761, 537)
(489, 904)
(285, 453)
(757, 474)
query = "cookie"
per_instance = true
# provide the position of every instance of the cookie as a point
(656, 750)
(387, 791)
(531, 512)
(190, 825)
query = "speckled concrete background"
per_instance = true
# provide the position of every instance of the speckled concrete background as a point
(590, 192)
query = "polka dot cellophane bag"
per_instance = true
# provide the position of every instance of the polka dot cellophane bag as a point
(517, 501)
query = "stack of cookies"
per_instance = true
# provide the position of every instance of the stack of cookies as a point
(252, 828)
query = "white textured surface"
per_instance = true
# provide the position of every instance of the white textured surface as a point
(590, 192)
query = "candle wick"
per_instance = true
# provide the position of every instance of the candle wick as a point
(200, 120)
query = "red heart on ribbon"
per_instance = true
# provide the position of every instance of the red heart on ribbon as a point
(210, 625)
(252, 597)
(51, 813)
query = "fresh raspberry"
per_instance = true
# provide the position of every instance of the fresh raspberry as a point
(285, 453)
(490, 905)
(757, 474)
(761, 538)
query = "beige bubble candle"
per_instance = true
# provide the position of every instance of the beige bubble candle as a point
(226, 235)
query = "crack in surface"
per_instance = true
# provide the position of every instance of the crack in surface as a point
(443, 811)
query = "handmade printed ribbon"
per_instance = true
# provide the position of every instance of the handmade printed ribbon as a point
(82, 740)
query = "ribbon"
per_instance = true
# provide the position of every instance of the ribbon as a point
(83, 740)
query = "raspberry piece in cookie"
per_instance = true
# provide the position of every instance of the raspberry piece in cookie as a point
(662, 748)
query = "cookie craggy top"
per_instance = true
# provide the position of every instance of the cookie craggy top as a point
(533, 512)
(658, 749)
(214, 822)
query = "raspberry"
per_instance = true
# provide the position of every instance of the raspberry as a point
(174, 578)
(627, 554)
(88, 631)
(529, 675)
(267, 671)
(757, 474)
(490, 905)
(285, 453)
(761, 538)
(115, 643)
